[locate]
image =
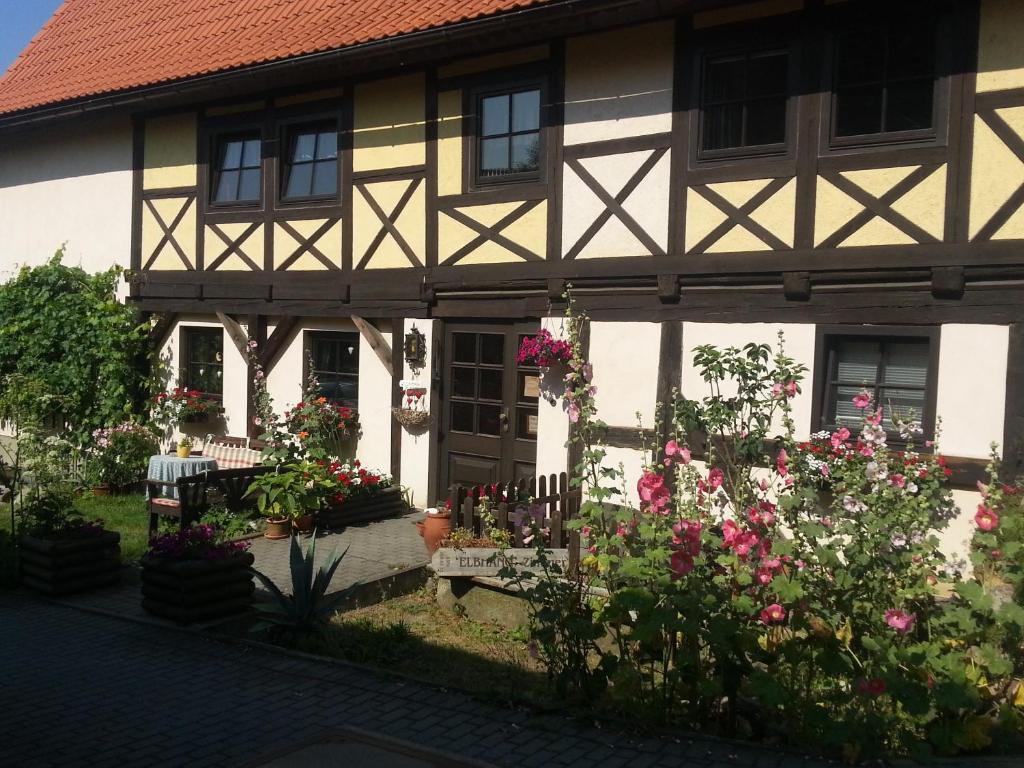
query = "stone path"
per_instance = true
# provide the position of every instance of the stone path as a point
(85, 690)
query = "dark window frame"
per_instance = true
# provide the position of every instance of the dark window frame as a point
(472, 108)
(216, 140)
(708, 53)
(285, 128)
(186, 342)
(875, 17)
(824, 402)
(310, 337)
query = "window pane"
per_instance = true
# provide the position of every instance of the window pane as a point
(526, 423)
(325, 177)
(909, 105)
(250, 185)
(847, 414)
(465, 347)
(860, 57)
(912, 52)
(724, 79)
(304, 147)
(463, 382)
(767, 75)
(494, 156)
(251, 155)
(907, 364)
(723, 126)
(492, 348)
(227, 187)
(300, 180)
(327, 146)
(343, 390)
(526, 111)
(901, 405)
(526, 152)
(495, 114)
(859, 110)
(462, 417)
(490, 420)
(232, 154)
(490, 384)
(766, 122)
(857, 362)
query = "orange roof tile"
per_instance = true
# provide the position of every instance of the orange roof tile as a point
(93, 47)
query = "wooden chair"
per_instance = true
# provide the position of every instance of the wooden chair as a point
(231, 486)
(187, 508)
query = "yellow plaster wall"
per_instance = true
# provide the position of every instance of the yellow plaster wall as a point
(738, 13)
(494, 61)
(1000, 52)
(389, 123)
(184, 233)
(329, 244)
(411, 224)
(252, 247)
(449, 143)
(996, 173)
(777, 214)
(170, 152)
(529, 231)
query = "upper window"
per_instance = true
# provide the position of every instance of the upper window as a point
(895, 370)
(509, 141)
(204, 360)
(743, 102)
(311, 165)
(335, 360)
(884, 81)
(237, 176)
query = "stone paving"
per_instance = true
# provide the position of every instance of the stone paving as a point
(85, 690)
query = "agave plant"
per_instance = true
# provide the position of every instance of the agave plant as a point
(309, 606)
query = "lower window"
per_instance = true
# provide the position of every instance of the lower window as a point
(204, 360)
(898, 370)
(335, 360)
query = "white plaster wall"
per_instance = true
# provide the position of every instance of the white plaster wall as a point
(416, 447)
(972, 388)
(619, 83)
(235, 374)
(552, 421)
(285, 383)
(799, 345)
(625, 359)
(72, 184)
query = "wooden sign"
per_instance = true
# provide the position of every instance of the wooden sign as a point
(480, 561)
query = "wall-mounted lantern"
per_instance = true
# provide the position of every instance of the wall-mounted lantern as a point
(415, 349)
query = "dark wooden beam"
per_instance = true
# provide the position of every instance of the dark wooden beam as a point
(796, 286)
(236, 333)
(271, 351)
(1013, 420)
(161, 329)
(377, 343)
(948, 282)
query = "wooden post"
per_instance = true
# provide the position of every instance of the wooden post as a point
(377, 343)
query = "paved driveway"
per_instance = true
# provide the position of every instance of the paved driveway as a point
(79, 689)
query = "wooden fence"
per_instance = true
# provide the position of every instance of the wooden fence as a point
(548, 499)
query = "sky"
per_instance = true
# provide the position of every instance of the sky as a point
(19, 21)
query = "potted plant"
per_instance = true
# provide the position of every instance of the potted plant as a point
(61, 552)
(119, 457)
(291, 497)
(196, 575)
(184, 447)
(184, 406)
(360, 494)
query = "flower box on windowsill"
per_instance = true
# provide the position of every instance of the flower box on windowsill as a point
(64, 566)
(197, 590)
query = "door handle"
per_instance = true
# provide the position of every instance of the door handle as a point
(503, 419)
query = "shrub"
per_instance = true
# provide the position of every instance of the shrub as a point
(119, 456)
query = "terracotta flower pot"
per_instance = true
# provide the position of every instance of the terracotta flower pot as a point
(303, 524)
(278, 528)
(433, 529)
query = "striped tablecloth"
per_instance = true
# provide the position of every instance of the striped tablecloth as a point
(169, 468)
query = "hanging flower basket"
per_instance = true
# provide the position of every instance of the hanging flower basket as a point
(411, 419)
(544, 350)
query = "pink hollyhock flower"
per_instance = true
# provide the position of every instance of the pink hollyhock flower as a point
(898, 480)
(764, 576)
(866, 450)
(839, 437)
(588, 372)
(744, 543)
(901, 621)
(585, 530)
(825, 471)
(986, 518)
(773, 614)
(791, 388)
(681, 564)
(649, 484)
(684, 455)
(763, 484)
(772, 563)
(862, 400)
(873, 687)
(667, 463)
(777, 390)
(780, 462)
(764, 547)
(671, 448)
(729, 532)
(574, 412)
(875, 419)
(715, 478)
(621, 531)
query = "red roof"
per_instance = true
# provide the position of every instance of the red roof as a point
(93, 47)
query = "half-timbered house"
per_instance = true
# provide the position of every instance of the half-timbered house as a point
(329, 177)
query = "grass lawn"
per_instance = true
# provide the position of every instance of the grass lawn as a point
(414, 636)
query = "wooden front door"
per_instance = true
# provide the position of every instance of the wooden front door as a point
(488, 430)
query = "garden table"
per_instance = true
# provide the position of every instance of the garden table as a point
(169, 468)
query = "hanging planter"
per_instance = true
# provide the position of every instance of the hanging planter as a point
(411, 419)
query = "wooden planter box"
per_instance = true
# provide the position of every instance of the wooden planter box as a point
(197, 590)
(59, 567)
(385, 503)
